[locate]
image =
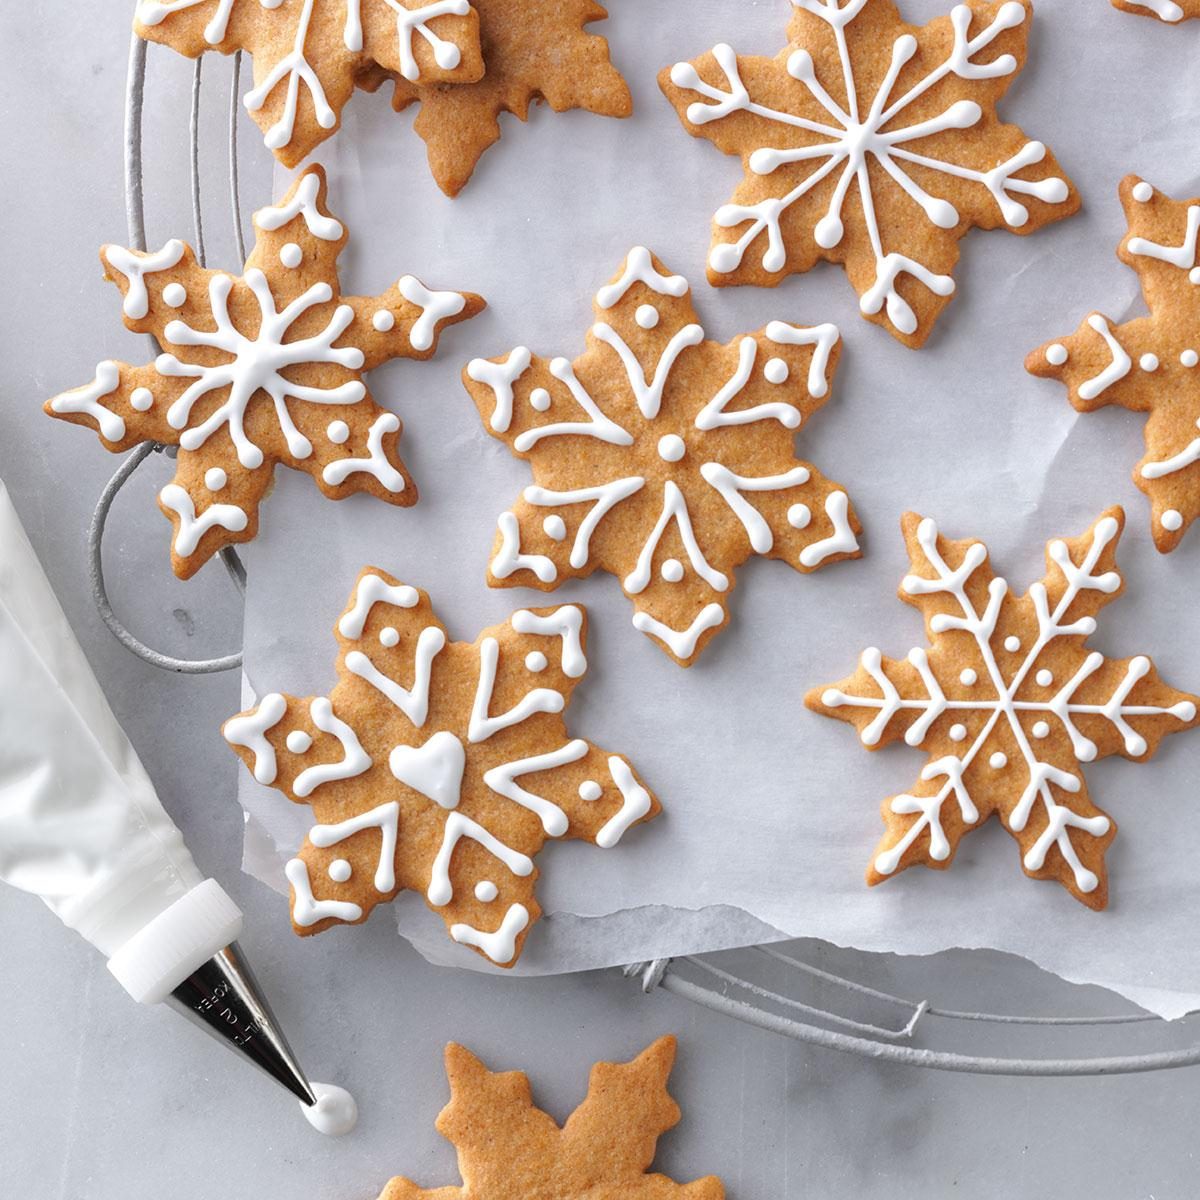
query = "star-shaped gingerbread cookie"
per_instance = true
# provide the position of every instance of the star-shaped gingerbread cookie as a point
(310, 54)
(662, 458)
(259, 369)
(871, 143)
(439, 766)
(508, 1149)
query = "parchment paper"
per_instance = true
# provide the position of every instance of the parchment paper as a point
(772, 813)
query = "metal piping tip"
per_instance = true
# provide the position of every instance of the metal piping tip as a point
(224, 999)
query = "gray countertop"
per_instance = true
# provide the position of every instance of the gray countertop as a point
(104, 1100)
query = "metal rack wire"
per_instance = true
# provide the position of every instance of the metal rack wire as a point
(760, 985)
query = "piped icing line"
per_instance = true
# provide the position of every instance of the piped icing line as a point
(635, 804)
(840, 541)
(500, 377)
(606, 497)
(435, 306)
(823, 338)
(674, 509)
(354, 761)
(154, 12)
(1183, 255)
(500, 945)
(376, 463)
(192, 527)
(250, 732)
(639, 268)
(135, 267)
(1116, 370)
(385, 818)
(87, 399)
(414, 701)
(502, 781)
(307, 910)
(440, 891)
(482, 724)
(1164, 10)
(681, 642)
(598, 425)
(565, 623)
(372, 590)
(713, 414)
(730, 488)
(302, 204)
(1177, 462)
(409, 23)
(648, 392)
(509, 558)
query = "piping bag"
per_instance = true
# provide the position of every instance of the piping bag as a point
(81, 827)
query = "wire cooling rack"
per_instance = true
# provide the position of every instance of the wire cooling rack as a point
(769, 986)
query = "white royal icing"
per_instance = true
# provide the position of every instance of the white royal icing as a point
(434, 769)
(376, 463)
(639, 268)
(681, 642)
(192, 527)
(501, 945)
(434, 306)
(250, 732)
(635, 804)
(372, 590)
(565, 623)
(412, 702)
(306, 908)
(354, 761)
(502, 781)
(458, 826)
(385, 818)
(302, 204)
(135, 267)
(482, 724)
(86, 400)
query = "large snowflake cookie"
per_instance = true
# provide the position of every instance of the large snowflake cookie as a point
(508, 1149)
(309, 54)
(258, 370)
(1164, 10)
(662, 458)
(534, 50)
(874, 144)
(1150, 364)
(1008, 703)
(438, 766)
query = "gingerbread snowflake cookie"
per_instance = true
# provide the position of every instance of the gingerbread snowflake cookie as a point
(1164, 10)
(439, 766)
(662, 458)
(508, 1149)
(1009, 704)
(259, 369)
(534, 50)
(874, 144)
(1150, 364)
(310, 54)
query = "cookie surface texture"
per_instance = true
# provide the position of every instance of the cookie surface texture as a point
(1164, 10)
(534, 50)
(508, 1149)
(664, 459)
(259, 369)
(874, 144)
(1009, 704)
(439, 766)
(309, 55)
(1149, 364)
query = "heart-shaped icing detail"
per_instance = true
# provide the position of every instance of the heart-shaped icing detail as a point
(434, 769)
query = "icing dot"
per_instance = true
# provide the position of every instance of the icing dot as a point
(589, 789)
(215, 479)
(1172, 520)
(1045, 678)
(141, 399)
(775, 371)
(998, 761)
(1041, 729)
(646, 316)
(967, 676)
(671, 447)
(175, 295)
(298, 741)
(539, 398)
(337, 432)
(384, 320)
(798, 516)
(1189, 358)
(1012, 643)
(291, 255)
(555, 528)
(389, 637)
(1056, 355)
(486, 891)
(535, 660)
(957, 732)
(1148, 362)
(672, 570)
(1142, 192)
(340, 870)
(1194, 275)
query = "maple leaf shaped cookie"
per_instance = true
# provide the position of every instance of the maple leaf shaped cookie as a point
(508, 1149)
(258, 370)
(534, 50)
(1008, 703)
(1164, 10)
(438, 766)
(874, 144)
(1149, 364)
(310, 54)
(662, 458)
